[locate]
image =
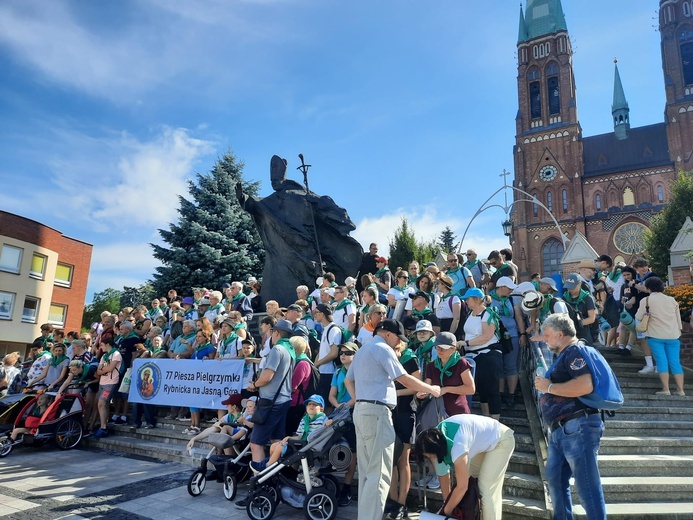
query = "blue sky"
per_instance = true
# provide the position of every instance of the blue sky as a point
(402, 107)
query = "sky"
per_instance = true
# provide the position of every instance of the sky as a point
(402, 108)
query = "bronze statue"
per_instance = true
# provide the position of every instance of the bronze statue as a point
(284, 220)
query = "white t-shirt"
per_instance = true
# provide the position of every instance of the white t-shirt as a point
(401, 295)
(331, 335)
(473, 329)
(476, 434)
(341, 316)
(445, 306)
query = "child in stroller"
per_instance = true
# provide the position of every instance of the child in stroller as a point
(236, 423)
(300, 478)
(34, 419)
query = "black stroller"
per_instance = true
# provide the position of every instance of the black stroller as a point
(302, 479)
(229, 469)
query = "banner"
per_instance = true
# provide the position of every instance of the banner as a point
(185, 382)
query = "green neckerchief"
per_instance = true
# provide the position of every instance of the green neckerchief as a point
(382, 271)
(342, 304)
(342, 389)
(613, 275)
(333, 284)
(407, 355)
(302, 356)
(218, 306)
(56, 361)
(412, 281)
(503, 267)
(420, 314)
(469, 264)
(577, 301)
(284, 342)
(132, 334)
(85, 373)
(152, 312)
(307, 420)
(401, 289)
(237, 297)
(447, 295)
(117, 339)
(373, 286)
(452, 271)
(155, 351)
(196, 301)
(310, 300)
(163, 308)
(503, 300)
(226, 342)
(536, 285)
(364, 309)
(307, 316)
(45, 353)
(107, 356)
(199, 348)
(495, 318)
(449, 431)
(423, 350)
(454, 358)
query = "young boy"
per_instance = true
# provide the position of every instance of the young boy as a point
(312, 421)
(233, 406)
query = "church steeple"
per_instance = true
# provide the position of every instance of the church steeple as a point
(542, 17)
(619, 108)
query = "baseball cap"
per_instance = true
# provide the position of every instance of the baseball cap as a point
(301, 330)
(381, 260)
(473, 292)
(226, 285)
(550, 282)
(430, 264)
(572, 281)
(244, 402)
(315, 398)
(252, 279)
(233, 399)
(324, 308)
(349, 345)
(506, 281)
(284, 325)
(424, 325)
(524, 287)
(393, 326)
(409, 322)
(420, 294)
(294, 307)
(445, 340)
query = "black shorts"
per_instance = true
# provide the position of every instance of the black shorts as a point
(403, 421)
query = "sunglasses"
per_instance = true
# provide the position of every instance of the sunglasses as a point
(347, 353)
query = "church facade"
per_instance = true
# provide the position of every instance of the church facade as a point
(608, 187)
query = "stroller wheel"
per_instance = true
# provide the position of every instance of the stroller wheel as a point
(230, 486)
(6, 446)
(68, 434)
(197, 482)
(262, 505)
(320, 504)
(330, 484)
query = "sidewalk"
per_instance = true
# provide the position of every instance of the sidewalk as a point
(48, 484)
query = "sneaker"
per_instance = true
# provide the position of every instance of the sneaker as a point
(395, 513)
(171, 416)
(647, 370)
(243, 503)
(431, 482)
(121, 420)
(100, 433)
(185, 419)
(344, 498)
(148, 426)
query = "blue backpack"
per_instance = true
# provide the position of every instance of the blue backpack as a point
(607, 392)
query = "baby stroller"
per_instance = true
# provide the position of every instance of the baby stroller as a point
(301, 479)
(229, 469)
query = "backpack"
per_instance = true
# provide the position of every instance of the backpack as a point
(504, 339)
(176, 329)
(572, 312)
(313, 382)
(607, 392)
(469, 507)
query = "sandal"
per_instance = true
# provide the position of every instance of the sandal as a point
(194, 430)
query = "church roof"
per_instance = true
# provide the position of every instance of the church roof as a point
(645, 147)
(541, 17)
(579, 249)
(522, 31)
(619, 96)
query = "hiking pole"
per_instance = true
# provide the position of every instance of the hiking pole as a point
(304, 170)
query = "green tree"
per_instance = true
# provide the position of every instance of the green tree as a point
(214, 240)
(668, 223)
(446, 240)
(427, 252)
(106, 300)
(405, 247)
(136, 296)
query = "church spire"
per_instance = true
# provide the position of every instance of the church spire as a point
(619, 108)
(541, 18)
(522, 32)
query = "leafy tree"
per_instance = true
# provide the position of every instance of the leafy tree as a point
(405, 247)
(668, 223)
(106, 300)
(135, 296)
(214, 240)
(446, 240)
(426, 252)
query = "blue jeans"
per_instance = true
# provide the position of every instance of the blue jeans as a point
(573, 452)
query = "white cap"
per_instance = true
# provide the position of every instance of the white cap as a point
(523, 288)
(252, 279)
(350, 280)
(506, 281)
(422, 325)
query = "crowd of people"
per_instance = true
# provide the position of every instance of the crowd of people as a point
(383, 342)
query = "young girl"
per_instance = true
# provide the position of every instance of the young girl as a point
(34, 418)
(234, 413)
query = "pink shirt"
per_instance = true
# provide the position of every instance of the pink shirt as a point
(300, 377)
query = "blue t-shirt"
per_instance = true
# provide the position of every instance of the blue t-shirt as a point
(338, 380)
(569, 365)
(206, 351)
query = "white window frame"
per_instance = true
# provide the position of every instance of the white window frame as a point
(16, 269)
(68, 283)
(5, 309)
(35, 274)
(29, 319)
(54, 321)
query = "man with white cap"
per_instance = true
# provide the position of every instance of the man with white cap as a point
(510, 313)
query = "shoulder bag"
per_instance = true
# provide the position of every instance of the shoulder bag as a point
(642, 324)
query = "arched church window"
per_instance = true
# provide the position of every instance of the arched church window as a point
(533, 74)
(535, 100)
(564, 196)
(548, 48)
(549, 201)
(628, 197)
(552, 69)
(687, 62)
(552, 254)
(686, 9)
(554, 95)
(598, 201)
(535, 206)
(660, 194)
(535, 51)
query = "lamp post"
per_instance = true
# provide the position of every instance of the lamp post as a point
(508, 224)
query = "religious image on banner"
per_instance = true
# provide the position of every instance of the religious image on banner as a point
(148, 380)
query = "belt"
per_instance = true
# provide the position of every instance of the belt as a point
(370, 401)
(575, 415)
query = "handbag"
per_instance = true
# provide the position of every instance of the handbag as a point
(642, 324)
(125, 384)
(263, 407)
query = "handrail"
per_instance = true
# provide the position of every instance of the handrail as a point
(532, 357)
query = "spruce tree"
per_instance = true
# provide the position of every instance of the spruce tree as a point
(446, 240)
(214, 240)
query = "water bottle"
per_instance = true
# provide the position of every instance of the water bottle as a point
(541, 363)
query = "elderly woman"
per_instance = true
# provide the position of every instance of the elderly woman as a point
(663, 333)
(12, 383)
(481, 343)
(376, 314)
(449, 308)
(299, 383)
(233, 332)
(215, 306)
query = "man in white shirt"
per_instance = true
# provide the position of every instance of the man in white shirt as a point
(345, 310)
(329, 348)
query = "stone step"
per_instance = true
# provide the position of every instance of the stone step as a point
(659, 489)
(630, 445)
(644, 511)
(517, 424)
(617, 427)
(646, 466)
(522, 508)
(144, 448)
(650, 385)
(654, 401)
(655, 413)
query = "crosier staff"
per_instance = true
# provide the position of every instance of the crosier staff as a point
(304, 170)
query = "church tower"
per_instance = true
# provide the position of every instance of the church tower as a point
(676, 29)
(619, 108)
(548, 156)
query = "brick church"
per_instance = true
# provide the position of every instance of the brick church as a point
(607, 187)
